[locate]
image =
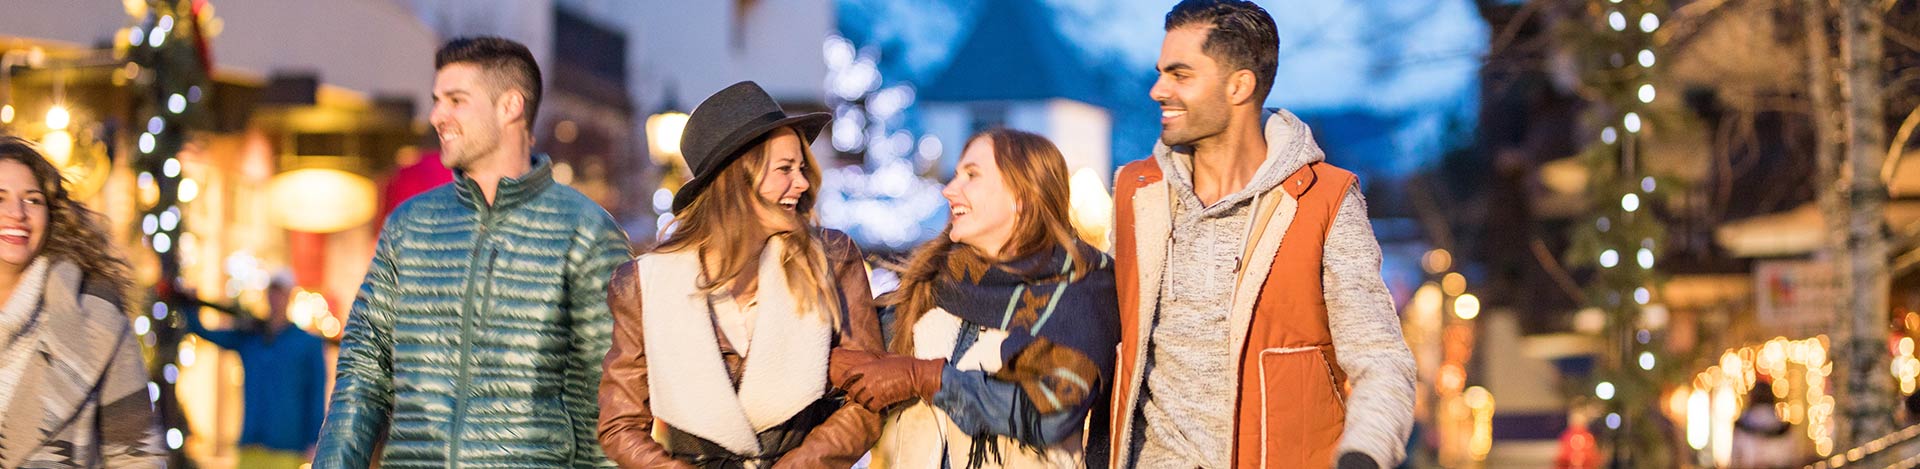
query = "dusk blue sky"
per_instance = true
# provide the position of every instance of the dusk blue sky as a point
(1412, 65)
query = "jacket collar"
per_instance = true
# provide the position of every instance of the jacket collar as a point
(21, 309)
(691, 391)
(511, 192)
(83, 332)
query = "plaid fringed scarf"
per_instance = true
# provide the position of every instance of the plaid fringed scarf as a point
(1061, 331)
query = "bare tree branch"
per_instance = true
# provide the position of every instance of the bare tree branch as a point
(1899, 142)
(1512, 29)
(1559, 273)
(1320, 31)
(1687, 21)
(1902, 38)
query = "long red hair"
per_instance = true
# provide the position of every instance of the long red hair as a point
(1037, 173)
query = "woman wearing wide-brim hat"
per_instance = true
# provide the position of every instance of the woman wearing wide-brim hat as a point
(741, 304)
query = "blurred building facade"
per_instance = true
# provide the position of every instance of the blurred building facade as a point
(301, 94)
(1014, 69)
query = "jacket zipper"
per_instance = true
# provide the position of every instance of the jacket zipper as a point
(473, 307)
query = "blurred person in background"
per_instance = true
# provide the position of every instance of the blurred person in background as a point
(1761, 439)
(285, 370)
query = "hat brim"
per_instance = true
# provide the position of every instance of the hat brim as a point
(810, 126)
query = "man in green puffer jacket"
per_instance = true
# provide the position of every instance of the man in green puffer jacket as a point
(477, 338)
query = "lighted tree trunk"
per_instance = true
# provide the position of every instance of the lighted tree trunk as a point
(1858, 226)
(1826, 119)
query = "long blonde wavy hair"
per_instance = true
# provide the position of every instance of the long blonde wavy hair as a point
(721, 224)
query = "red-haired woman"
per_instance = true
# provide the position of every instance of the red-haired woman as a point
(1005, 326)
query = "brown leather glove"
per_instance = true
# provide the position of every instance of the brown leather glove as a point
(843, 360)
(893, 379)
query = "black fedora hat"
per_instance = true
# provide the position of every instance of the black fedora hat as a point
(724, 125)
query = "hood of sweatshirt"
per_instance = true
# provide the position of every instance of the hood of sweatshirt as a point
(1290, 146)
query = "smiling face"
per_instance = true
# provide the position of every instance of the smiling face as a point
(23, 215)
(468, 114)
(984, 209)
(1192, 89)
(783, 179)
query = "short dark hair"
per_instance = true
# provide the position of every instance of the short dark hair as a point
(503, 60)
(1240, 35)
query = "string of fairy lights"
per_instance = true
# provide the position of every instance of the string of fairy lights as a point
(1624, 238)
(167, 63)
(1624, 243)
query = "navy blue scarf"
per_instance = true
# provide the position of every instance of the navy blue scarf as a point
(1033, 298)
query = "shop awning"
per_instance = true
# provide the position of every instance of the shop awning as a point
(1799, 231)
(1802, 230)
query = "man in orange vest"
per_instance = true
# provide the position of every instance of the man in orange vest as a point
(1256, 329)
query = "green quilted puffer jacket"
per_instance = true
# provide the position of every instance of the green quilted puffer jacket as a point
(477, 337)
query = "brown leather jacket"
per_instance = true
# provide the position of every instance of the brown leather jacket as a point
(626, 419)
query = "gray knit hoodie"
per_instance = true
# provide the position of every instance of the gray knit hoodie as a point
(1188, 413)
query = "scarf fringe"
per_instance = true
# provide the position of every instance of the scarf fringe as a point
(1026, 425)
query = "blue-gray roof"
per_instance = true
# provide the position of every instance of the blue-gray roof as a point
(1013, 52)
